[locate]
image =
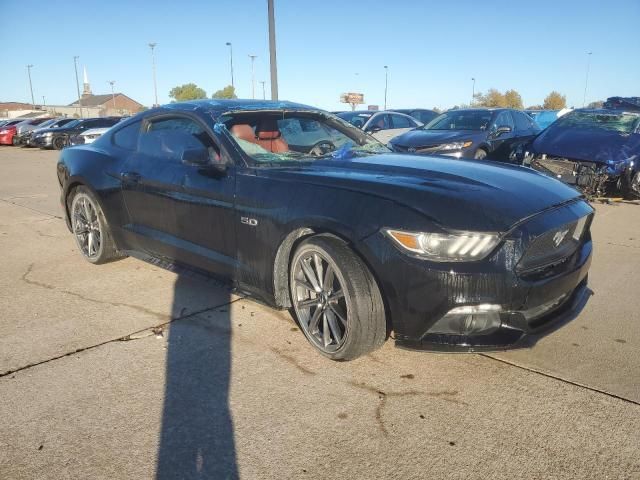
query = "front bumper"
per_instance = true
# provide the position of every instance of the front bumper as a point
(419, 293)
(41, 141)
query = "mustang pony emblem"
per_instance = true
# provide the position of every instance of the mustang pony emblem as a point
(558, 237)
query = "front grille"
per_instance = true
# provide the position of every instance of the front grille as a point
(554, 246)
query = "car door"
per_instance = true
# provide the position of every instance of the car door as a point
(526, 130)
(399, 125)
(377, 126)
(179, 209)
(501, 136)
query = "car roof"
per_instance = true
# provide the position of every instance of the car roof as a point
(218, 107)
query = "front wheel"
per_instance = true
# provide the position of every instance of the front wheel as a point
(335, 299)
(59, 143)
(90, 228)
(480, 154)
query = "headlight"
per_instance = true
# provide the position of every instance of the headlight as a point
(455, 145)
(446, 247)
(48, 134)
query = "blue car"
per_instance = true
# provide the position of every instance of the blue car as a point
(543, 118)
(596, 150)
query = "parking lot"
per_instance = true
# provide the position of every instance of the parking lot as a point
(128, 370)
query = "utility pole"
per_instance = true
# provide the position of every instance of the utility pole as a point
(272, 51)
(231, 60)
(473, 91)
(386, 84)
(152, 45)
(264, 97)
(75, 64)
(33, 102)
(113, 96)
(586, 80)
(253, 79)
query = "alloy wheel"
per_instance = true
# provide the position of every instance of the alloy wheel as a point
(86, 226)
(319, 301)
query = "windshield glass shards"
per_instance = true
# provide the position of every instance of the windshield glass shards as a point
(618, 122)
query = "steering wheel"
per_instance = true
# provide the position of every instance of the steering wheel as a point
(322, 148)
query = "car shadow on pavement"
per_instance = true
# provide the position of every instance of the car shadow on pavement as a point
(196, 438)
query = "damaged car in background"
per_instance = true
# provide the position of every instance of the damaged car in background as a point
(595, 150)
(304, 211)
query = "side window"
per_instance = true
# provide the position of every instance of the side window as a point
(426, 117)
(401, 122)
(172, 138)
(504, 120)
(522, 122)
(379, 121)
(127, 137)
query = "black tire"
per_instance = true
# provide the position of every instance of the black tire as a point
(365, 328)
(480, 154)
(95, 223)
(59, 143)
(15, 141)
(629, 185)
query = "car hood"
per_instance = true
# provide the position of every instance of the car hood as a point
(594, 145)
(456, 194)
(423, 138)
(57, 130)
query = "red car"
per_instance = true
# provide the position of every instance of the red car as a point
(8, 131)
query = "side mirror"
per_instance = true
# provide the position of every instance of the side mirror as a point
(198, 157)
(502, 129)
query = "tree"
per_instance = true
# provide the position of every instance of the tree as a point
(493, 98)
(512, 99)
(598, 104)
(188, 91)
(555, 101)
(226, 92)
(535, 107)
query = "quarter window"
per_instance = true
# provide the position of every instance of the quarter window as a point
(127, 137)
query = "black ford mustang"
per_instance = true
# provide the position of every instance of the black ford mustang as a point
(303, 210)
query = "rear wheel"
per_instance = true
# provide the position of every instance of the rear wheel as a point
(90, 228)
(335, 299)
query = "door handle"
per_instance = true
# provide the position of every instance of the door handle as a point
(131, 177)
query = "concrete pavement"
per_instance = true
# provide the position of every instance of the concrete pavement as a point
(130, 371)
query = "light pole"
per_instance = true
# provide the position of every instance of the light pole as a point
(272, 51)
(113, 95)
(473, 90)
(75, 65)
(33, 102)
(152, 46)
(386, 84)
(264, 97)
(586, 80)
(231, 61)
(44, 102)
(253, 79)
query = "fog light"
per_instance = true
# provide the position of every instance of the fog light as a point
(469, 320)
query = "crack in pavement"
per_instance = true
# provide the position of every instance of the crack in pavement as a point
(560, 379)
(445, 395)
(32, 209)
(155, 330)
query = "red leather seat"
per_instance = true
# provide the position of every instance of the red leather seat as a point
(244, 132)
(270, 138)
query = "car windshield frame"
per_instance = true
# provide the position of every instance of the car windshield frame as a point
(361, 144)
(442, 117)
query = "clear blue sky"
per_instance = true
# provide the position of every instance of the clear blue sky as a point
(325, 47)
